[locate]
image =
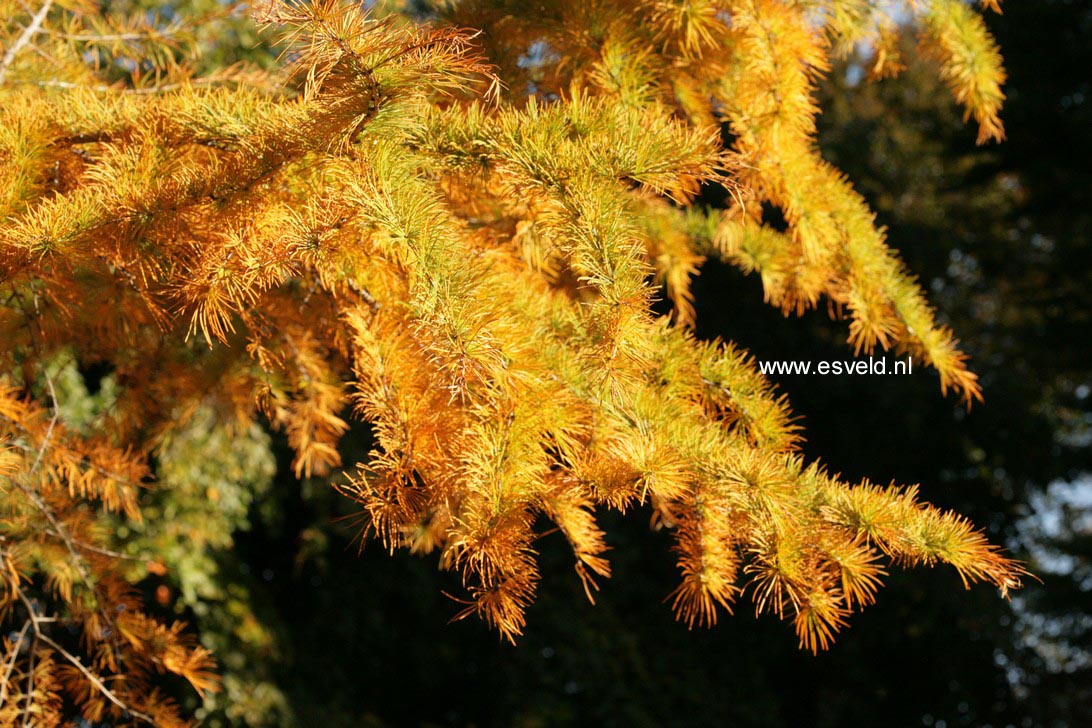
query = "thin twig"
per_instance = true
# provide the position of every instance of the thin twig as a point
(162, 88)
(30, 669)
(9, 664)
(24, 38)
(150, 34)
(99, 549)
(80, 461)
(27, 489)
(33, 614)
(92, 678)
(52, 420)
(96, 681)
(62, 532)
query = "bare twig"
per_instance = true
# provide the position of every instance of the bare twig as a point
(149, 34)
(9, 663)
(99, 549)
(24, 38)
(81, 461)
(40, 502)
(95, 680)
(30, 667)
(52, 424)
(32, 613)
(62, 532)
(36, 497)
(139, 90)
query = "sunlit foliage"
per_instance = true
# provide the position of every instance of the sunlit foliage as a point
(457, 237)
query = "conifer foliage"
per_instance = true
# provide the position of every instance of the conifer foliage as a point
(453, 228)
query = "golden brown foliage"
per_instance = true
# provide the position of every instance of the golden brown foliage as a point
(471, 267)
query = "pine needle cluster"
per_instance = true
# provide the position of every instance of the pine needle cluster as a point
(456, 236)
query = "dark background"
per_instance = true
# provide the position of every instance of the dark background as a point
(999, 237)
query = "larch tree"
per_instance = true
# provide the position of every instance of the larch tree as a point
(452, 224)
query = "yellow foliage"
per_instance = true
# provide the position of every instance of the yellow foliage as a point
(456, 238)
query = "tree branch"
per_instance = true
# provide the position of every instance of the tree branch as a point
(92, 678)
(24, 38)
(9, 663)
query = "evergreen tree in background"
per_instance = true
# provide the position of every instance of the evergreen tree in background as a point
(217, 247)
